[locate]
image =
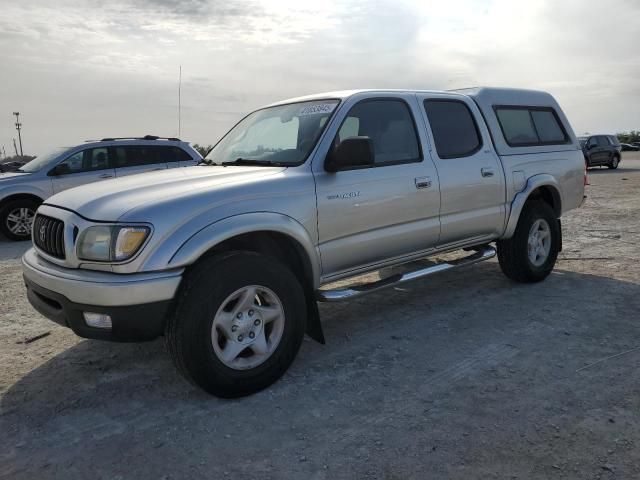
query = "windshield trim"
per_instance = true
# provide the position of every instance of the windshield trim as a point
(313, 147)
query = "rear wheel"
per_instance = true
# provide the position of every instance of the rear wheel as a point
(238, 324)
(16, 219)
(614, 162)
(530, 255)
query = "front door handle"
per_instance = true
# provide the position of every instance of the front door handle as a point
(487, 172)
(423, 182)
(106, 175)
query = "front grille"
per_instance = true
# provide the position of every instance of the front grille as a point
(48, 235)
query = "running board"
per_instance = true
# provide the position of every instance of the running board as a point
(484, 253)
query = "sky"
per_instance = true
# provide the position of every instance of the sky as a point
(79, 70)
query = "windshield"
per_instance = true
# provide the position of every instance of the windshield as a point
(280, 135)
(42, 160)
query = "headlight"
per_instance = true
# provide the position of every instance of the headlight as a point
(110, 243)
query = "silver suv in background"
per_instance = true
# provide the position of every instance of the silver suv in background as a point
(22, 191)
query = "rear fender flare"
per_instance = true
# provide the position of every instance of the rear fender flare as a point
(533, 183)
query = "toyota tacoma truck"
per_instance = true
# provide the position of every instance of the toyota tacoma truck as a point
(227, 260)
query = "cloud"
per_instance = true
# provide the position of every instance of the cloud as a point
(199, 9)
(85, 69)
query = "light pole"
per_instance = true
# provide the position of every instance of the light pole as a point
(18, 127)
(14, 147)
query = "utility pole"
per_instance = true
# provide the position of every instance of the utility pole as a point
(4, 152)
(14, 147)
(18, 127)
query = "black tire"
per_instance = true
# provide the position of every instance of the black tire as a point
(614, 162)
(10, 207)
(204, 288)
(513, 253)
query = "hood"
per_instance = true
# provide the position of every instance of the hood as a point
(7, 176)
(110, 200)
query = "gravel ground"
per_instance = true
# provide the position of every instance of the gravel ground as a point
(466, 375)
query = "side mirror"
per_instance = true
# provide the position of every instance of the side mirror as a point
(60, 169)
(350, 153)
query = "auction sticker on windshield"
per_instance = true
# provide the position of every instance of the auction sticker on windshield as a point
(317, 109)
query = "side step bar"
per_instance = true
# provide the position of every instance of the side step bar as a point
(484, 253)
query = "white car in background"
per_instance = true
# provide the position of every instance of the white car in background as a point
(22, 191)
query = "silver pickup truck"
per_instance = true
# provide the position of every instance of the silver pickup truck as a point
(228, 259)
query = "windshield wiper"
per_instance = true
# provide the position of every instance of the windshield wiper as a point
(253, 161)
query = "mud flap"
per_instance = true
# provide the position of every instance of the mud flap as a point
(314, 327)
(560, 236)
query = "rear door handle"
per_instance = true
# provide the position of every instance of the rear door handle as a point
(487, 172)
(106, 175)
(423, 182)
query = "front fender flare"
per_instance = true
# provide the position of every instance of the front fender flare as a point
(210, 236)
(533, 183)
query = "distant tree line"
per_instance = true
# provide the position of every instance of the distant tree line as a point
(629, 137)
(202, 149)
(17, 158)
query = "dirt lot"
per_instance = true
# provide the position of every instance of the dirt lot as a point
(463, 376)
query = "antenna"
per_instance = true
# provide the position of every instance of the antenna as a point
(179, 103)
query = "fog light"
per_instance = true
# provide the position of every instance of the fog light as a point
(97, 320)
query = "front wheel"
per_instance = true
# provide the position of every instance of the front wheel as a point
(16, 219)
(238, 323)
(530, 255)
(614, 163)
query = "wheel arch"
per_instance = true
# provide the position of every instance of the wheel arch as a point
(262, 232)
(539, 187)
(271, 234)
(20, 196)
(273, 243)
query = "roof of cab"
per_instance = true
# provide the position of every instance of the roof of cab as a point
(342, 94)
(494, 95)
(486, 98)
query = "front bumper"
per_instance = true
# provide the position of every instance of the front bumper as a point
(137, 303)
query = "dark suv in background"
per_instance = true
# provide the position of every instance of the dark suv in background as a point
(601, 150)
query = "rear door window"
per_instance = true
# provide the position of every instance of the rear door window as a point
(136, 155)
(455, 131)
